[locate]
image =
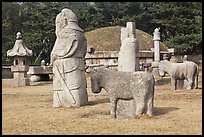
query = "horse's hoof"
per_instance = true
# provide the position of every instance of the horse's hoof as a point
(138, 116)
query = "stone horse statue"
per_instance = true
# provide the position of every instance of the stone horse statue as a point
(180, 71)
(138, 86)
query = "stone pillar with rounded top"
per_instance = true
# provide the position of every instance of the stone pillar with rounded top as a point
(155, 63)
(19, 68)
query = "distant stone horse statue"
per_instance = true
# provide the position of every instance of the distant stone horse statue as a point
(138, 86)
(180, 71)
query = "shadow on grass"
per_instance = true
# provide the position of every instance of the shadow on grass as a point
(163, 81)
(98, 101)
(163, 110)
(41, 83)
(199, 87)
(95, 114)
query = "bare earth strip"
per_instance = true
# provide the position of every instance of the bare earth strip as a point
(28, 110)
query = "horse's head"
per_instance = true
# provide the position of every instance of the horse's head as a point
(95, 81)
(162, 69)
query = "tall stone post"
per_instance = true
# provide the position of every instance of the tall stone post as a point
(156, 39)
(128, 61)
(128, 57)
(19, 68)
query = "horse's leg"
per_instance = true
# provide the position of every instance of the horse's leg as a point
(190, 83)
(196, 81)
(150, 107)
(140, 101)
(185, 83)
(113, 107)
(150, 102)
(173, 83)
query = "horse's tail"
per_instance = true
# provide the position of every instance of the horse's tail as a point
(196, 78)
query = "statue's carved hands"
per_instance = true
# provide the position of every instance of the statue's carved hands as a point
(53, 57)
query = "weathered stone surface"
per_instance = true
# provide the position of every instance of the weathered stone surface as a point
(125, 108)
(165, 57)
(35, 70)
(128, 56)
(19, 49)
(20, 82)
(136, 86)
(180, 71)
(67, 57)
(40, 73)
(156, 39)
(34, 78)
(128, 60)
(180, 83)
(19, 68)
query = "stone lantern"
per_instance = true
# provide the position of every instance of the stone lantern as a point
(19, 68)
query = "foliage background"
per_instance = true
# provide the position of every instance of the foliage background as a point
(180, 23)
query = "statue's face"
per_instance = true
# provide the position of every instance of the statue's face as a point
(161, 69)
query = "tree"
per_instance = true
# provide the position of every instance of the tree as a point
(180, 22)
(9, 20)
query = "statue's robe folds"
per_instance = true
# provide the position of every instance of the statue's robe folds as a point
(68, 68)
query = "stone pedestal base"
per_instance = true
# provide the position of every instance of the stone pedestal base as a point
(20, 82)
(125, 108)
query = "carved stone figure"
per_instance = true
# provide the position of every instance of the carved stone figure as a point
(137, 86)
(128, 61)
(67, 57)
(128, 56)
(180, 84)
(180, 71)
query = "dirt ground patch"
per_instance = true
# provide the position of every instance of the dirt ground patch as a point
(28, 110)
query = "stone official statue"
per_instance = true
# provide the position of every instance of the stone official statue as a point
(67, 58)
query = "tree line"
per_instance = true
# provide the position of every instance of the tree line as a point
(180, 23)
